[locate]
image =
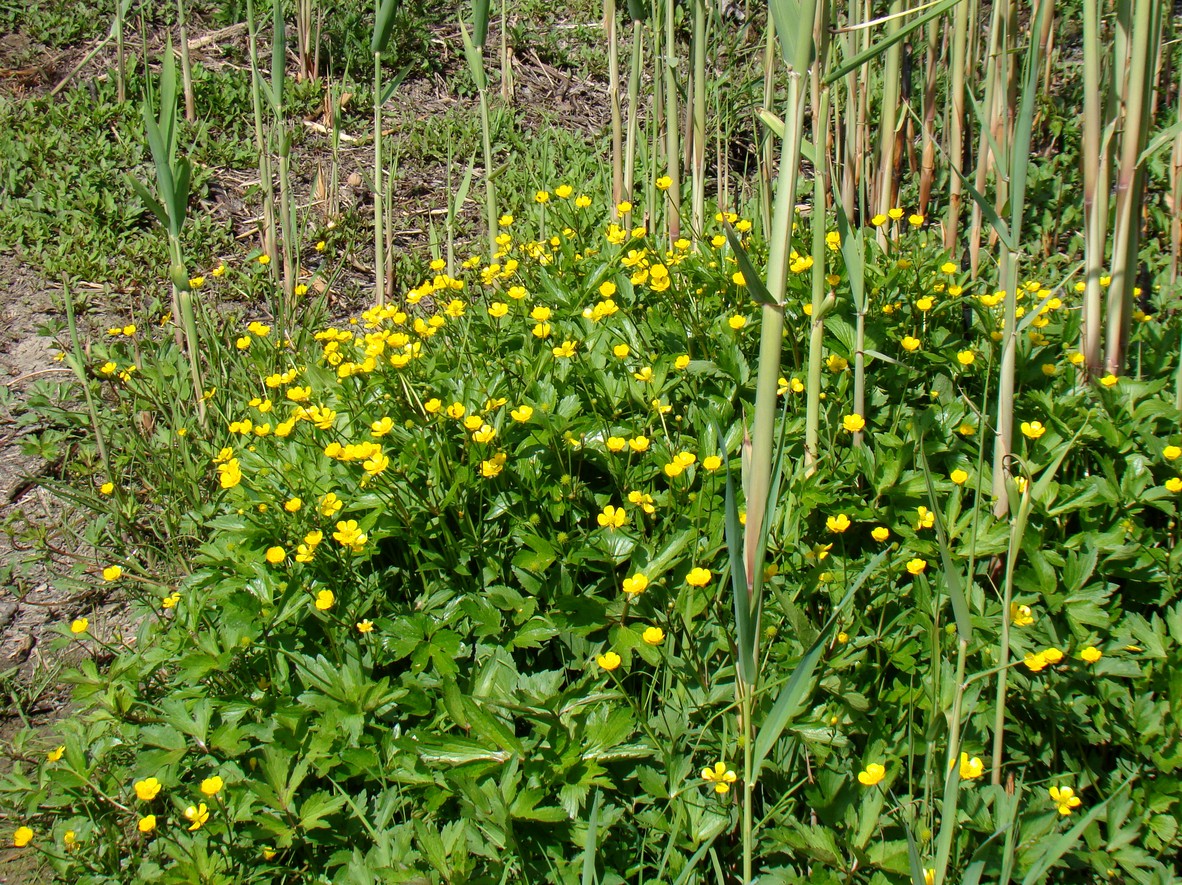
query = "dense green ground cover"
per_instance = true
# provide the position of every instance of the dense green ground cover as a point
(451, 587)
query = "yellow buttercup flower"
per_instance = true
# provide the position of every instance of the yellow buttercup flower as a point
(1109, 380)
(325, 600)
(79, 625)
(737, 322)
(612, 517)
(521, 414)
(364, 626)
(653, 635)
(925, 519)
(112, 573)
(880, 533)
(871, 774)
(608, 660)
(1032, 429)
(965, 357)
(698, 577)
(1064, 798)
(638, 443)
(147, 789)
(853, 423)
(970, 769)
(917, 566)
(1091, 654)
(711, 462)
(147, 823)
(720, 776)
(22, 836)
(55, 754)
(1021, 615)
(838, 524)
(211, 786)
(958, 476)
(636, 584)
(275, 555)
(910, 344)
(1171, 453)
(197, 816)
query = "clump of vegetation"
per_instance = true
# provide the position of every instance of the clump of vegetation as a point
(641, 539)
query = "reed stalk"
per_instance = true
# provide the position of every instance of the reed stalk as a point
(186, 64)
(120, 52)
(672, 129)
(957, 119)
(884, 184)
(1140, 24)
(613, 91)
(262, 148)
(698, 123)
(1096, 163)
(635, 75)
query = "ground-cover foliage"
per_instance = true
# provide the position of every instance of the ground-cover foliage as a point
(459, 586)
(461, 607)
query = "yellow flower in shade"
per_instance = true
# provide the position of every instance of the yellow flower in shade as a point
(916, 566)
(1171, 453)
(966, 429)
(638, 443)
(915, 220)
(1053, 655)
(1033, 429)
(22, 837)
(653, 635)
(197, 816)
(541, 330)
(1021, 615)
(853, 423)
(836, 363)
(493, 466)
(276, 555)
(612, 517)
(711, 462)
(721, 776)
(147, 823)
(958, 476)
(147, 789)
(636, 584)
(1109, 380)
(1035, 661)
(112, 573)
(211, 786)
(608, 660)
(644, 375)
(79, 625)
(970, 769)
(1174, 484)
(325, 600)
(929, 876)
(642, 500)
(55, 754)
(965, 357)
(1064, 798)
(880, 533)
(924, 519)
(737, 322)
(871, 774)
(364, 626)
(910, 344)
(663, 183)
(837, 524)
(1091, 654)
(698, 577)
